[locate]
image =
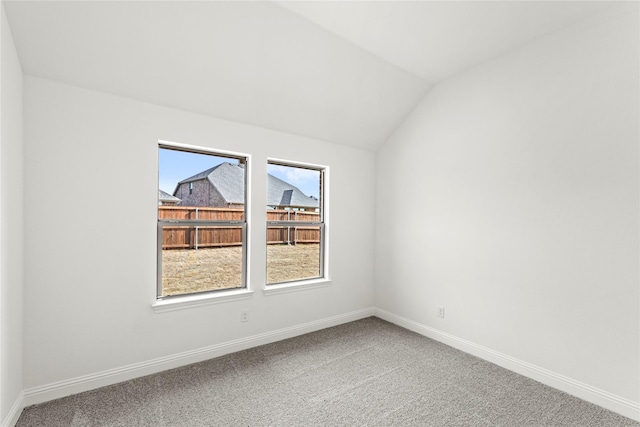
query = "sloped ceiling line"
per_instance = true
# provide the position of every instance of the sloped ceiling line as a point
(345, 72)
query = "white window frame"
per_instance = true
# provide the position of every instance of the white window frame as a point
(176, 302)
(323, 279)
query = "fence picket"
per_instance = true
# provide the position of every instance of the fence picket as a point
(183, 237)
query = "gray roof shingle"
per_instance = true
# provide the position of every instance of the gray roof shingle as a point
(228, 179)
(166, 197)
(281, 193)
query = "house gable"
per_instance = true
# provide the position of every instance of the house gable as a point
(223, 186)
(219, 186)
(281, 194)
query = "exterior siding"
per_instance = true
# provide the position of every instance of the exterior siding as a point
(203, 194)
(216, 198)
(198, 197)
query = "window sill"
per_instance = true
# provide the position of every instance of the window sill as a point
(302, 285)
(189, 301)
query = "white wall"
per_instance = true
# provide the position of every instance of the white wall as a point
(510, 197)
(11, 222)
(90, 233)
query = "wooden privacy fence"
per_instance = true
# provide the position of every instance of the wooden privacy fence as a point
(190, 212)
(292, 235)
(193, 237)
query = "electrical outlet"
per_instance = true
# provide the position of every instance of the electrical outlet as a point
(244, 316)
(441, 311)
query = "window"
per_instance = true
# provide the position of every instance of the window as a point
(202, 236)
(295, 222)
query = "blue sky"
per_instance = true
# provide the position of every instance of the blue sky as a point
(174, 166)
(308, 181)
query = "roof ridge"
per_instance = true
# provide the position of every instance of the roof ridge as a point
(201, 175)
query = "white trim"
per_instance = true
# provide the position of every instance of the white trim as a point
(201, 149)
(324, 204)
(14, 412)
(64, 388)
(296, 164)
(199, 300)
(302, 285)
(612, 402)
(187, 301)
(326, 214)
(84, 383)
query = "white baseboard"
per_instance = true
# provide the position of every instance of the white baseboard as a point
(14, 412)
(612, 402)
(84, 383)
(64, 388)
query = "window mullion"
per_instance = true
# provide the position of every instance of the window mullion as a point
(199, 222)
(294, 223)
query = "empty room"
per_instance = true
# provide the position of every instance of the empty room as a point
(332, 213)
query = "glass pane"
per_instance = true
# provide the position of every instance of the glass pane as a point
(293, 188)
(199, 259)
(200, 186)
(293, 194)
(293, 253)
(198, 180)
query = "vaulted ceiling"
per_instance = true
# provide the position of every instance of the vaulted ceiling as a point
(342, 71)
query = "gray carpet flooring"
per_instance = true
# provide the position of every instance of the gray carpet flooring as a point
(364, 373)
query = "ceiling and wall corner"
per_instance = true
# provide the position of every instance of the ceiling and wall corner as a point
(11, 223)
(344, 72)
(251, 62)
(436, 39)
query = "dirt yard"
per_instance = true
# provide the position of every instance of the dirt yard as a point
(188, 270)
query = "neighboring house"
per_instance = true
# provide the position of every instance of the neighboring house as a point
(282, 195)
(166, 199)
(223, 186)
